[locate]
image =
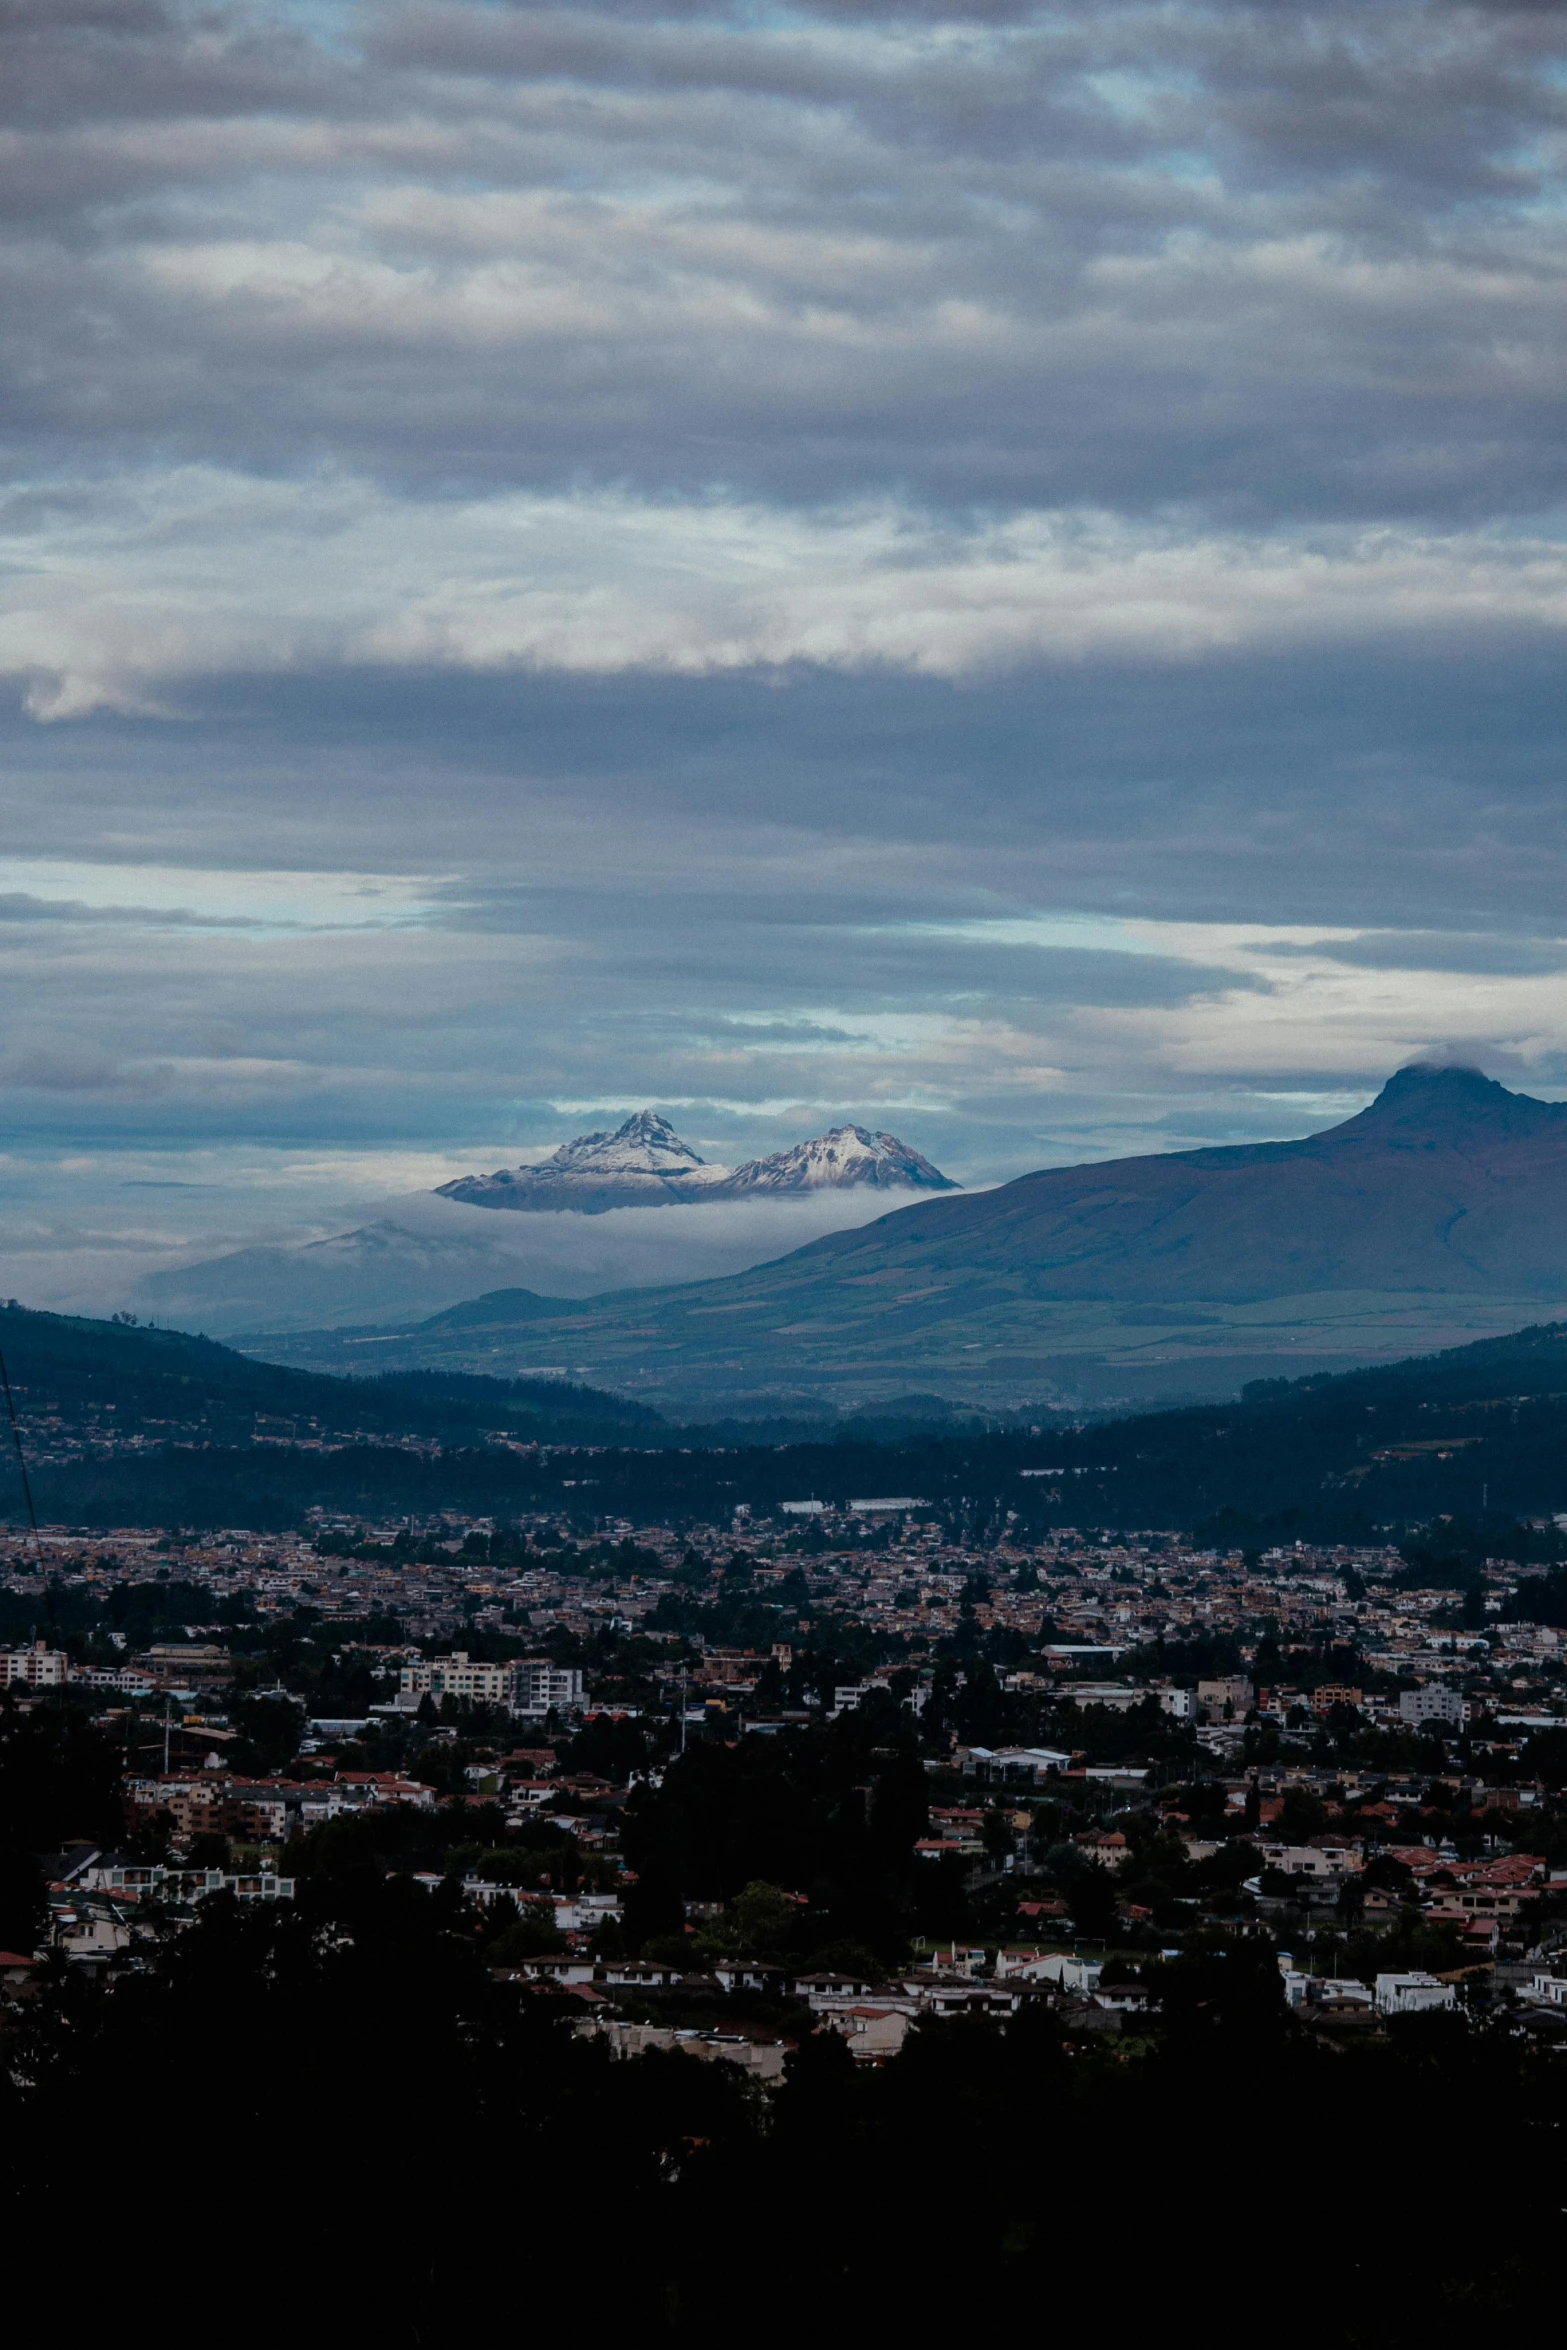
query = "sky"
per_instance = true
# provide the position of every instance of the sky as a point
(994, 571)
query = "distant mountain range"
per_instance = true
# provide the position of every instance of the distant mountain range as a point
(418, 1254)
(1436, 1216)
(645, 1164)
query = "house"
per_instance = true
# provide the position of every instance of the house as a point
(638, 1974)
(743, 1974)
(816, 1987)
(762, 2059)
(1080, 1976)
(1122, 1997)
(969, 1999)
(1312, 1860)
(873, 2033)
(571, 1971)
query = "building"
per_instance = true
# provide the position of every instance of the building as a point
(37, 1667)
(187, 1664)
(458, 1676)
(543, 1687)
(1225, 1700)
(1180, 1703)
(1412, 1994)
(1312, 1860)
(531, 1686)
(1431, 1704)
(873, 2033)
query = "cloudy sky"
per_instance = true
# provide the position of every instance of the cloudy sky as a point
(993, 570)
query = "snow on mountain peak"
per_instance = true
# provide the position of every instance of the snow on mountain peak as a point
(844, 1157)
(646, 1145)
(644, 1163)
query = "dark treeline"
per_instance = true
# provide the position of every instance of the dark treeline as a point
(340, 2118)
(412, 2150)
(1481, 1430)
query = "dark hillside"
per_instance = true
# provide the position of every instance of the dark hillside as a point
(1479, 1431)
(126, 1381)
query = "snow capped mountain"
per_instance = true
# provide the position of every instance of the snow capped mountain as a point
(645, 1164)
(646, 1145)
(847, 1156)
(642, 1164)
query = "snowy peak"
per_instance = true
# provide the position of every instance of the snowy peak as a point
(846, 1157)
(645, 1164)
(646, 1145)
(642, 1164)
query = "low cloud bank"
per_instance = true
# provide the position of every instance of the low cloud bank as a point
(416, 1256)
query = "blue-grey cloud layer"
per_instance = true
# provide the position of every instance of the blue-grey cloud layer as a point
(994, 569)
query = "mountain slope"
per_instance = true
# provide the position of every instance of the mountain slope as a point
(1437, 1215)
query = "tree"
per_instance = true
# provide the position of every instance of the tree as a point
(24, 1904)
(763, 1915)
(269, 1729)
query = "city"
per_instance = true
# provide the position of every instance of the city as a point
(1124, 1742)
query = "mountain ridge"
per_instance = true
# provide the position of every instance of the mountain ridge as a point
(1436, 1215)
(644, 1163)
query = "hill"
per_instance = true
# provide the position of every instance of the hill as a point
(114, 1385)
(1477, 1436)
(1437, 1214)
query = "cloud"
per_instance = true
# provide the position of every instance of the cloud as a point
(122, 609)
(991, 568)
(1271, 265)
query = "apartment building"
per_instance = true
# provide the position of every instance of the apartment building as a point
(37, 1667)
(529, 1686)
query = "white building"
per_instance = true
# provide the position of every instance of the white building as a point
(1313, 1860)
(1412, 1994)
(539, 1687)
(531, 1686)
(1180, 1703)
(458, 1676)
(1116, 1696)
(1023, 1762)
(1069, 1974)
(1432, 1703)
(38, 1667)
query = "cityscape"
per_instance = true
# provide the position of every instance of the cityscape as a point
(783, 1172)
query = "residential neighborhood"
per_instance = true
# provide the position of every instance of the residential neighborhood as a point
(1121, 1744)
